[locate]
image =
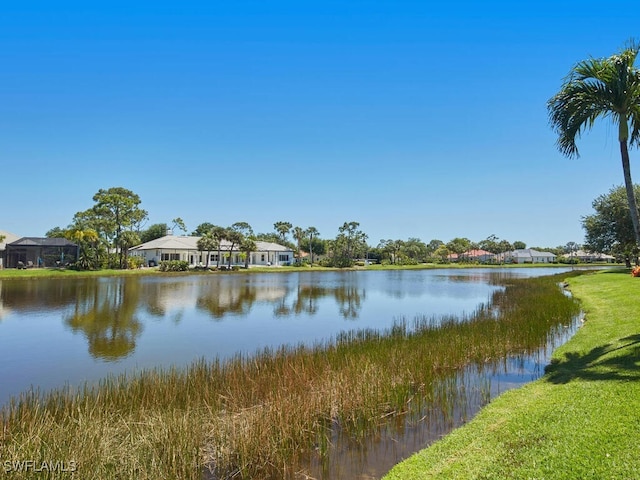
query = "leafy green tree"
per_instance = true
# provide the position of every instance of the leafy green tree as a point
(219, 234)
(202, 229)
(270, 237)
(519, 245)
(350, 243)
(247, 245)
(442, 253)
(283, 228)
(178, 223)
(415, 250)
(88, 242)
(459, 245)
(55, 232)
(235, 238)
(157, 230)
(207, 243)
(128, 239)
(601, 88)
(391, 248)
(116, 210)
(610, 228)
(244, 228)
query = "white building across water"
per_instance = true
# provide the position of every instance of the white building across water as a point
(185, 248)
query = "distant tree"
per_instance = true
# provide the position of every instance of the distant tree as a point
(157, 230)
(442, 253)
(116, 210)
(518, 245)
(270, 237)
(571, 248)
(207, 243)
(602, 88)
(610, 228)
(283, 228)
(202, 229)
(349, 244)
(247, 245)
(459, 246)
(415, 250)
(391, 248)
(128, 239)
(312, 234)
(315, 246)
(235, 238)
(178, 223)
(219, 234)
(55, 232)
(242, 227)
(299, 235)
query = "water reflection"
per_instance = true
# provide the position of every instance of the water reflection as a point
(66, 331)
(106, 314)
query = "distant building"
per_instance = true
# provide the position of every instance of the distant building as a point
(185, 248)
(591, 257)
(28, 252)
(8, 237)
(529, 255)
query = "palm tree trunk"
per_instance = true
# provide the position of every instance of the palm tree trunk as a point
(631, 198)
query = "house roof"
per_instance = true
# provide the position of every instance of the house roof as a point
(530, 252)
(176, 242)
(42, 242)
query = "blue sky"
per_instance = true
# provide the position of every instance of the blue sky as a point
(416, 119)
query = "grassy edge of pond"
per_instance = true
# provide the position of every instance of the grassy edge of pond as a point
(580, 420)
(259, 412)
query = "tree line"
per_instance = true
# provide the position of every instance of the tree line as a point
(116, 222)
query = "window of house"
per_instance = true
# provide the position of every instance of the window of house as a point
(283, 258)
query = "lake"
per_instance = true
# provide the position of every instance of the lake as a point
(56, 332)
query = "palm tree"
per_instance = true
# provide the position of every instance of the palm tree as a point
(299, 234)
(283, 229)
(601, 88)
(311, 233)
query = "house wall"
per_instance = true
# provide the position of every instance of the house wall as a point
(195, 257)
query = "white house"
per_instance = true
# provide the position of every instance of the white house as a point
(185, 248)
(7, 237)
(529, 255)
(590, 257)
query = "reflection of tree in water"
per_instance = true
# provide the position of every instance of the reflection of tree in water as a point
(105, 314)
(349, 301)
(307, 299)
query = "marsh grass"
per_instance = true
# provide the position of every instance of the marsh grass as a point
(256, 416)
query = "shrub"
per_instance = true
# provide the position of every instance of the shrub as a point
(174, 266)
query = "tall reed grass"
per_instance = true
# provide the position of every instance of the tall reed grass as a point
(256, 416)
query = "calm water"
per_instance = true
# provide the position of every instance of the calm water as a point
(55, 332)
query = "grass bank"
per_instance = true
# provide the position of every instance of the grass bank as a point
(580, 420)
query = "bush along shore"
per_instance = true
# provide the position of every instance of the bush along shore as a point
(257, 416)
(580, 420)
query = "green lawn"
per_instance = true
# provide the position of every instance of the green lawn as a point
(580, 421)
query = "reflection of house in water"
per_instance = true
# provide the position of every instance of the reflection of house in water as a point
(4, 310)
(236, 295)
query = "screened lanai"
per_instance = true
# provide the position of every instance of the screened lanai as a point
(40, 252)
